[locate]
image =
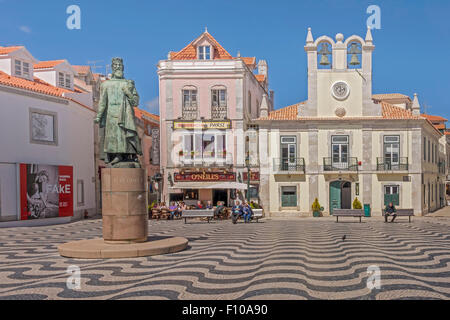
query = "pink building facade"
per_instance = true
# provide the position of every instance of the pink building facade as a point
(208, 100)
(148, 130)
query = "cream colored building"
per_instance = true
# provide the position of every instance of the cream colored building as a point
(345, 143)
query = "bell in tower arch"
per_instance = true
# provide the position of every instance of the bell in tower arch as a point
(324, 51)
(354, 51)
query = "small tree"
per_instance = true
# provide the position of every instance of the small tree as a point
(357, 204)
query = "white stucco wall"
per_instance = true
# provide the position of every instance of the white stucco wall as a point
(75, 144)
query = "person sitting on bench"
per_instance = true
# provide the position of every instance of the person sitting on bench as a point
(390, 211)
(219, 209)
(236, 212)
(248, 212)
(173, 208)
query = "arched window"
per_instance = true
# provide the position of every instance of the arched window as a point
(219, 103)
(189, 103)
(354, 55)
(324, 55)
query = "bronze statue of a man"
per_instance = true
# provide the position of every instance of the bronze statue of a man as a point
(120, 144)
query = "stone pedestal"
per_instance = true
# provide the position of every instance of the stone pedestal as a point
(125, 222)
(124, 205)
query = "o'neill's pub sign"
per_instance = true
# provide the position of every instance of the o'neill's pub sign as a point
(205, 177)
(202, 125)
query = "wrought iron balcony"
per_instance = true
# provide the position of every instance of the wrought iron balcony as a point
(350, 165)
(205, 160)
(385, 164)
(289, 165)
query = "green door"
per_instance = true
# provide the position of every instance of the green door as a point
(335, 196)
(391, 194)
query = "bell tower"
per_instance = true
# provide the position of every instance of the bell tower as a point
(339, 77)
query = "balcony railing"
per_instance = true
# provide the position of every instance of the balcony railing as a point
(385, 164)
(350, 165)
(207, 160)
(289, 165)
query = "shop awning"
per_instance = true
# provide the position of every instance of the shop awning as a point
(210, 185)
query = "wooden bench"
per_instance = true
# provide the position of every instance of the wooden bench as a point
(348, 213)
(402, 213)
(257, 214)
(189, 214)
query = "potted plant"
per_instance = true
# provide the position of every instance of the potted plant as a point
(180, 153)
(357, 204)
(317, 209)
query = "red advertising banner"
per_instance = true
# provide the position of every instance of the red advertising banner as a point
(205, 177)
(254, 176)
(45, 191)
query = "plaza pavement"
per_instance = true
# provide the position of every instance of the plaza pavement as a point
(274, 259)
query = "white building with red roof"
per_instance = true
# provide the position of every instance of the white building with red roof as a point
(47, 158)
(345, 143)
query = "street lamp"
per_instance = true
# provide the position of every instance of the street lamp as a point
(158, 178)
(247, 164)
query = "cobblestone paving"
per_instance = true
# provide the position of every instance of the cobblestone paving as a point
(273, 259)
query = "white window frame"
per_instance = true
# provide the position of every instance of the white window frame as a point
(385, 143)
(201, 156)
(334, 142)
(61, 79)
(68, 81)
(202, 52)
(22, 67)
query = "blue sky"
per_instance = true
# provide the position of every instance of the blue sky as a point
(411, 52)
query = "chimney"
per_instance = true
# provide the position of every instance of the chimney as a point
(272, 100)
(415, 106)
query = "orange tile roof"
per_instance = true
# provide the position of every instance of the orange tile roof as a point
(260, 77)
(6, 50)
(47, 64)
(190, 53)
(82, 69)
(139, 113)
(439, 126)
(434, 118)
(392, 112)
(37, 85)
(250, 61)
(286, 113)
(389, 96)
(388, 112)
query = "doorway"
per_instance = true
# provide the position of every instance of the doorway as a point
(340, 195)
(220, 195)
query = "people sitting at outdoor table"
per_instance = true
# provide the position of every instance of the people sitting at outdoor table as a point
(247, 212)
(390, 210)
(236, 211)
(209, 205)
